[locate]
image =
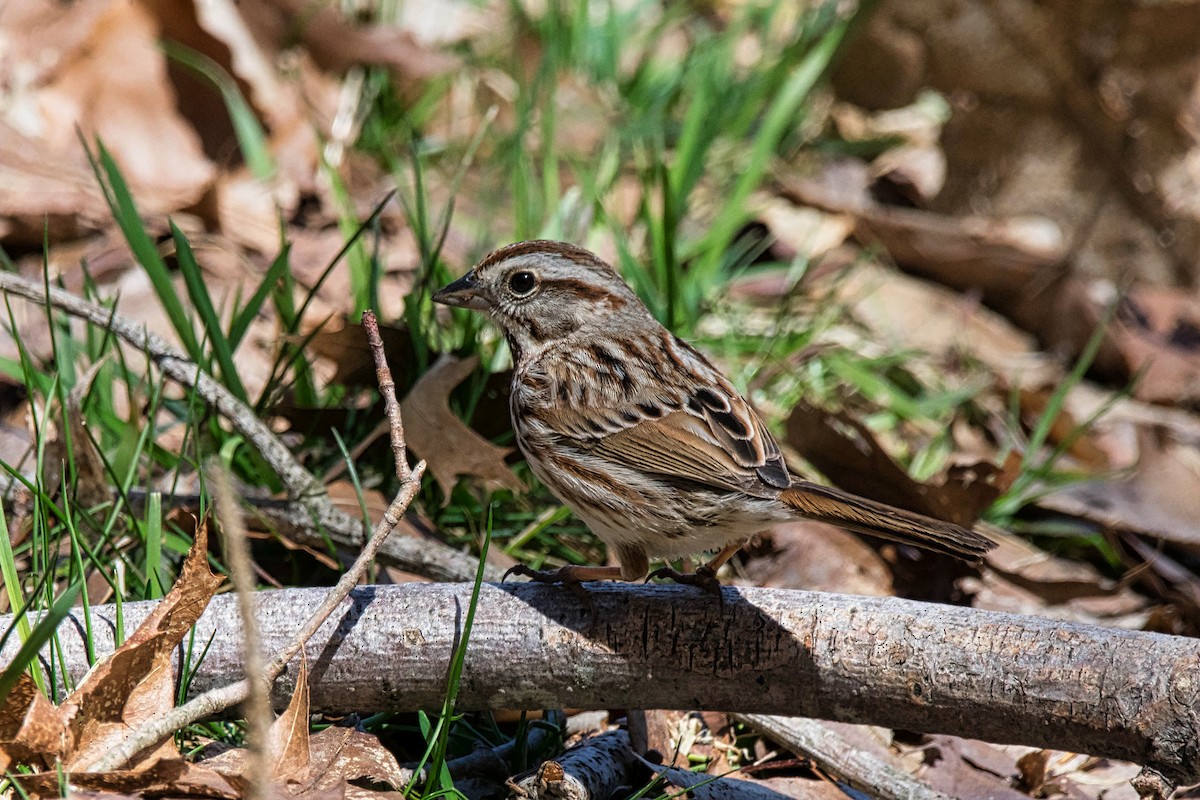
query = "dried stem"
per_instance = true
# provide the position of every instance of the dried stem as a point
(241, 573)
(387, 388)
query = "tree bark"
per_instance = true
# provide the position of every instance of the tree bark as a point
(883, 661)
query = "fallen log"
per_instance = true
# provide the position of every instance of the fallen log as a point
(884, 661)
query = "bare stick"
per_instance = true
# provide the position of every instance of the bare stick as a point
(833, 754)
(590, 770)
(431, 559)
(873, 660)
(258, 703)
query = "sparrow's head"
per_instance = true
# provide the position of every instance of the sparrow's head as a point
(538, 292)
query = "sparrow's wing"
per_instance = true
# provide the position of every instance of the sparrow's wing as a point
(666, 411)
(715, 439)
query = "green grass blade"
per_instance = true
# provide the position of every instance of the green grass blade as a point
(242, 319)
(1034, 467)
(202, 301)
(439, 734)
(12, 587)
(27, 655)
(777, 123)
(154, 537)
(250, 136)
(365, 271)
(124, 211)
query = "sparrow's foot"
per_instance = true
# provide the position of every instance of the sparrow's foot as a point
(703, 578)
(570, 576)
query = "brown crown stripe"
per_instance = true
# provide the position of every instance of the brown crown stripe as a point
(568, 251)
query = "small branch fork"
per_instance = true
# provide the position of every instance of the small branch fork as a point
(217, 700)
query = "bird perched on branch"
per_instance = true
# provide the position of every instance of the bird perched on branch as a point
(639, 434)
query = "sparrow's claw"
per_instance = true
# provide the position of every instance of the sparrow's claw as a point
(703, 578)
(571, 577)
(541, 576)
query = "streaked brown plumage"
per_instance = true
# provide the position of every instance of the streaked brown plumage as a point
(639, 433)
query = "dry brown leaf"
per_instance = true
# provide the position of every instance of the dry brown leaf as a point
(847, 453)
(804, 788)
(113, 699)
(1064, 428)
(903, 312)
(46, 192)
(968, 768)
(344, 496)
(822, 558)
(347, 349)
(347, 755)
(288, 739)
(917, 172)
(31, 727)
(287, 742)
(1020, 269)
(1161, 498)
(1091, 778)
(306, 765)
(335, 44)
(449, 447)
(801, 231)
(1158, 333)
(297, 107)
(137, 681)
(1023, 579)
(113, 84)
(173, 778)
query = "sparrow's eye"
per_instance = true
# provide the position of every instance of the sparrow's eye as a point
(522, 283)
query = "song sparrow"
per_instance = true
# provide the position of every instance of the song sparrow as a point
(646, 441)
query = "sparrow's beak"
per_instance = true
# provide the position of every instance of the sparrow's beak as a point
(464, 293)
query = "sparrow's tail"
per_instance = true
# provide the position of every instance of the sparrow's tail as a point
(825, 504)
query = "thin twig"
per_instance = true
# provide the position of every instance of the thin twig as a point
(429, 558)
(241, 573)
(217, 700)
(387, 387)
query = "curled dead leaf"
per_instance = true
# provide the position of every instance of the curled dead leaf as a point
(137, 681)
(172, 777)
(304, 763)
(31, 727)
